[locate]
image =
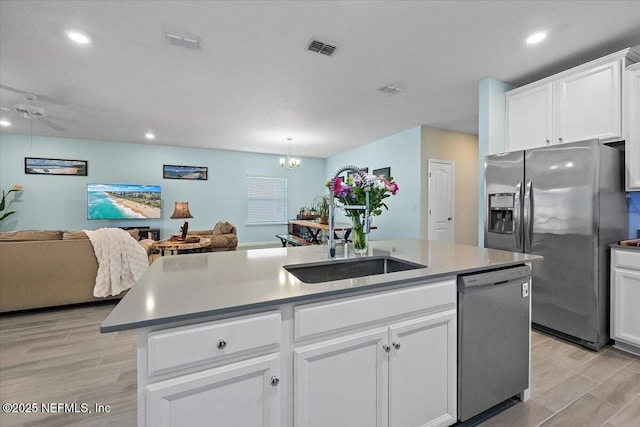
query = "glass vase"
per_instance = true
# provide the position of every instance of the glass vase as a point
(358, 236)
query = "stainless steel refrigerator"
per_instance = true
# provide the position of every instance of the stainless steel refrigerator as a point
(567, 203)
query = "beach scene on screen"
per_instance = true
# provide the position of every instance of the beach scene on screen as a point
(123, 201)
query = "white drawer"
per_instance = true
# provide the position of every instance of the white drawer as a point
(323, 317)
(627, 259)
(192, 345)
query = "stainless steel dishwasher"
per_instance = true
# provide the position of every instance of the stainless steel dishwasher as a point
(493, 338)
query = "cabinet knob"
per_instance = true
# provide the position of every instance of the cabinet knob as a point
(386, 348)
(275, 380)
(560, 139)
(221, 344)
(548, 142)
(396, 345)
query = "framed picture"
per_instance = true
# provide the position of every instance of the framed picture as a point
(352, 174)
(200, 173)
(382, 172)
(39, 166)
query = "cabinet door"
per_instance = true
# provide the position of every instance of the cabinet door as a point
(529, 118)
(590, 104)
(422, 371)
(625, 296)
(236, 395)
(342, 382)
(632, 148)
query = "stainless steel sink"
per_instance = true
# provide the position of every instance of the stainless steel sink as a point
(327, 271)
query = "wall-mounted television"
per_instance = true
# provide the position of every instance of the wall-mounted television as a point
(123, 201)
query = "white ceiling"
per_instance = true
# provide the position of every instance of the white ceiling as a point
(254, 83)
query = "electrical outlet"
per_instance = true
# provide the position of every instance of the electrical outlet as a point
(525, 289)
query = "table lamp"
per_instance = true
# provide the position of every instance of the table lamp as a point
(181, 211)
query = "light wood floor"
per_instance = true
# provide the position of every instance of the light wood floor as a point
(59, 356)
(575, 387)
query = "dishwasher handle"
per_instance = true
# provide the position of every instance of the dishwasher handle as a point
(491, 278)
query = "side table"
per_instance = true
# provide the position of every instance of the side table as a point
(175, 247)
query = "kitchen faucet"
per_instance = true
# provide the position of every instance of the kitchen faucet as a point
(332, 186)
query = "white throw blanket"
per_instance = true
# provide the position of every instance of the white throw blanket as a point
(121, 260)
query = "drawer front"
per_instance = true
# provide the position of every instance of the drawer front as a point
(192, 345)
(319, 318)
(627, 259)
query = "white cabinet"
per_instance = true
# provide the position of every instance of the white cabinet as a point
(342, 382)
(582, 103)
(395, 373)
(243, 394)
(632, 144)
(222, 372)
(379, 358)
(589, 104)
(529, 118)
(625, 299)
(402, 375)
(422, 371)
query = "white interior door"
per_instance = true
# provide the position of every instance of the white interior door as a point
(441, 185)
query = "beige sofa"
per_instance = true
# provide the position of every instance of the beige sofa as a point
(48, 268)
(224, 237)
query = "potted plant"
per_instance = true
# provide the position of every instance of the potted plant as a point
(321, 204)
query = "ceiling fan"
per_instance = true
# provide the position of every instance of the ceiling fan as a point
(31, 111)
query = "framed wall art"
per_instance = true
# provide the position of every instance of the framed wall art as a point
(40, 166)
(352, 174)
(382, 172)
(199, 173)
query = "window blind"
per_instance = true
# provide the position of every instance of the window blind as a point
(266, 200)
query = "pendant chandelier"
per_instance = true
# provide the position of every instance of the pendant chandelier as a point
(289, 162)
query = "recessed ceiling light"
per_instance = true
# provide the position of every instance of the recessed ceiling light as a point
(78, 37)
(536, 37)
(149, 135)
(5, 123)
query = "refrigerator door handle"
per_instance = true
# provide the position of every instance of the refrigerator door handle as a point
(517, 217)
(528, 220)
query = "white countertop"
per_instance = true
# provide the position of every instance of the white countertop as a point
(186, 287)
(618, 246)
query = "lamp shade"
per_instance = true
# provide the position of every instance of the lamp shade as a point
(181, 210)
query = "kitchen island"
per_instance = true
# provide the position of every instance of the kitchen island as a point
(235, 337)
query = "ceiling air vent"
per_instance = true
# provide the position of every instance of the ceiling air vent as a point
(183, 41)
(390, 89)
(321, 47)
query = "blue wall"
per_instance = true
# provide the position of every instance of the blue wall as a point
(400, 152)
(492, 137)
(60, 202)
(634, 213)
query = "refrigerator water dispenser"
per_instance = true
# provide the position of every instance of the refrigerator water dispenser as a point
(501, 213)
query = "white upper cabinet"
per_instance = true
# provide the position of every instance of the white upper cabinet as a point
(590, 104)
(582, 103)
(632, 143)
(529, 122)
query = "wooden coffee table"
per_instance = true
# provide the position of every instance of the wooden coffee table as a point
(174, 247)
